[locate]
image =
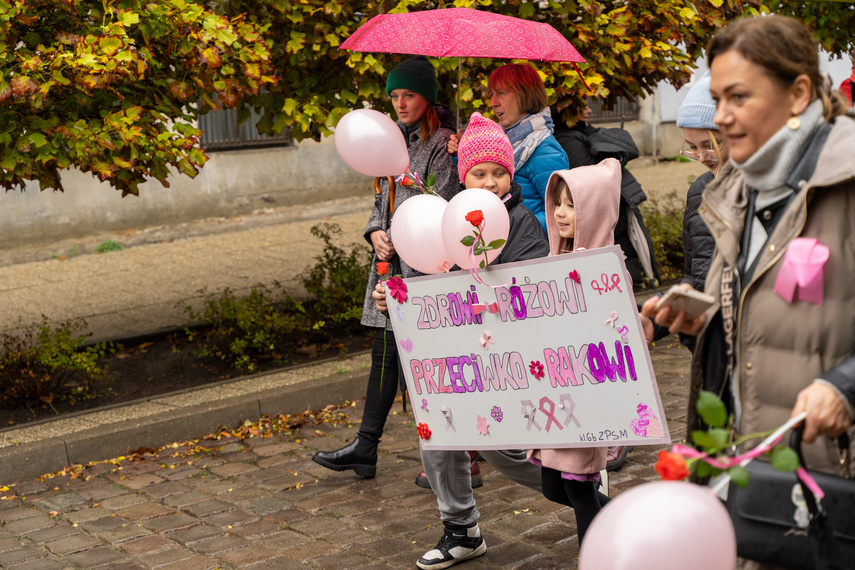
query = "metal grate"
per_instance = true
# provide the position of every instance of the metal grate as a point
(220, 131)
(623, 110)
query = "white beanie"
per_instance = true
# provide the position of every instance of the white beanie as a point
(698, 109)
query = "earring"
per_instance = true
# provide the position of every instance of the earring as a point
(793, 123)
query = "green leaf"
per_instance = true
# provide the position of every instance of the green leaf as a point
(526, 10)
(739, 475)
(37, 139)
(703, 469)
(711, 409)
(483, 264)
(784, 458)
(496, 244)
(468, 241)
(716, 438)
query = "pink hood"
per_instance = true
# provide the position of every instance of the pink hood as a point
(596, 197)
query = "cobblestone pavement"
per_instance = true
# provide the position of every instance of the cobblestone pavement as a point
(261, 502)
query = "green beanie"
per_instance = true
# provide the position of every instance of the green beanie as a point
(415, 74)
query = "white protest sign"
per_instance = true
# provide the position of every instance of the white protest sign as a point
(554, 358)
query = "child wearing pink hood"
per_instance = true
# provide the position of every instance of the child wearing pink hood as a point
(582, 207)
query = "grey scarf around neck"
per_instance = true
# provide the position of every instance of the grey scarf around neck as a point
(769, 167)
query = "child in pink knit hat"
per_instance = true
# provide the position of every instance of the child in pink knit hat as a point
(484, 145)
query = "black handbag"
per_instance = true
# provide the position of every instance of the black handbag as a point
(778, 521)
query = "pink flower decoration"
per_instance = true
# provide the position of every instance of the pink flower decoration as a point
(497, 413)
(482, 424)
(397, 289)
(536, 369)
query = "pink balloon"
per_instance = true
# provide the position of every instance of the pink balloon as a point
(455, 227)
(371, 143)
(416, 233)
(663, 525)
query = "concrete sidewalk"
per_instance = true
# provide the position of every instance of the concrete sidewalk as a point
(261, 502)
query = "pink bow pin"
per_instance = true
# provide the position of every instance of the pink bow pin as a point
(478, 308)
(486, 340)
(801, 273)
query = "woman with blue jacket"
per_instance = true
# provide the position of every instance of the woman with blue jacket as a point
(518, 99)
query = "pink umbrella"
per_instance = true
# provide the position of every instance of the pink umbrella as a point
(463, 32)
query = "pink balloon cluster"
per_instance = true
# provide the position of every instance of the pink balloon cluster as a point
(371, 143)
(426, 230)
(663, 525)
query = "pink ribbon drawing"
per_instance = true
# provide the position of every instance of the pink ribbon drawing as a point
(528, 411)
(486, 340)
(612, 318)
(424, 404)
(801, 273)
(449, 425)
(569, 406)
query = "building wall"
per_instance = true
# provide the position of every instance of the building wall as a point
(231, 183)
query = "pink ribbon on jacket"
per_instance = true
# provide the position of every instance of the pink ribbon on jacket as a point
(801, 273)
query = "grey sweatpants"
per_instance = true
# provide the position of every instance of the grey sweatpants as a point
(448, 474)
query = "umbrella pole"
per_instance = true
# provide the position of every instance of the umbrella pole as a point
(459, 67)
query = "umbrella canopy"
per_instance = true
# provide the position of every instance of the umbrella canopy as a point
(462, 32)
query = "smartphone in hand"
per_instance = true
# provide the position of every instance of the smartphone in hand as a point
(694, 303)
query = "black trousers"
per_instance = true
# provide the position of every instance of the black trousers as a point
(581, 495)
(383, 381)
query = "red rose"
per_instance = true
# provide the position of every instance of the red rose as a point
(671, 466)
(383, 268)
(407, 183)
(423, 431)
(475, 217)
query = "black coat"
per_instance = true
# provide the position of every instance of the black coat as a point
(526, 238)
(698, 243)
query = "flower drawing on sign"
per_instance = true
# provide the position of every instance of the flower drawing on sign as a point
(497, 413)
(397, 289)
(424, 431)
(475, 242)
(536, 369)
(482, 425)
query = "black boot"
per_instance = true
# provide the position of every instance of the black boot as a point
(359, 455)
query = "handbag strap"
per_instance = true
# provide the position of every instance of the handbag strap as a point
(823, 544)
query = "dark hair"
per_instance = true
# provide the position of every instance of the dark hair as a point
(522, 79)
(782, 46)
(559, 190)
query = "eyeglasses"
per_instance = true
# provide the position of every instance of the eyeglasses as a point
(709, 155)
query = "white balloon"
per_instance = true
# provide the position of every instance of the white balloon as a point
(416, 233)
(455, 227)
(371, 143)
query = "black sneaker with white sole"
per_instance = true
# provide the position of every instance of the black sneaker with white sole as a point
(457, 544)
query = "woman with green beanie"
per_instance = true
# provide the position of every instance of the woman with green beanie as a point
(427, 127)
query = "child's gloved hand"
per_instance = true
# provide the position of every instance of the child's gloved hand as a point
(379, 295)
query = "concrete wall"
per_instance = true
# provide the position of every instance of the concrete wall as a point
(230, 184)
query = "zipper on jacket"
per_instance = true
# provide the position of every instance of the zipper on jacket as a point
(742, 294)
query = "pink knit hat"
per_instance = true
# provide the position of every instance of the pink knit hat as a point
(483, 141)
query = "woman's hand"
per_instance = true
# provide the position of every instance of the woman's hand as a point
(382, 245)
(676, 323)
(826, 412)
(379, 295)
(453, 143)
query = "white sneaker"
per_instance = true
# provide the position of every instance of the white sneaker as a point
(456, 545)
(604, 482)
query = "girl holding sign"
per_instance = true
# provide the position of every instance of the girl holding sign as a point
(485, 160)
(582, 207)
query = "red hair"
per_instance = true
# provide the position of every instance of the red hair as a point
(522, 79)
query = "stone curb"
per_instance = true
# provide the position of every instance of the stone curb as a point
(26, 461)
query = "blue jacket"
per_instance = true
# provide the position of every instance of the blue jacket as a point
(534, 174)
